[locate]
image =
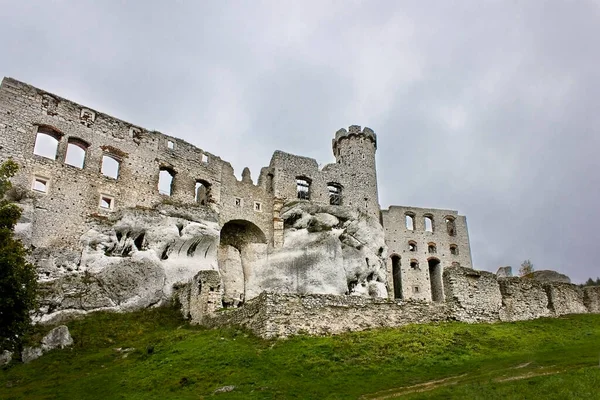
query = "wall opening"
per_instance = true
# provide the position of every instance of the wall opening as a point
(46, 142)
(412, 246)
(428, 221)
(431, 248)
(303, 188)
(410, 221)
(170, 145)
(110, 166)
(106, 202)
(40, 184)
(435, 278)
(335, 193)
(165, 181)
(454, 249)
(414, 264)
(397, 276)
(450, 226)
(76, 149)
(202, 192)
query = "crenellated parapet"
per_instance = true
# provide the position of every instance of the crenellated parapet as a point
(353, 131)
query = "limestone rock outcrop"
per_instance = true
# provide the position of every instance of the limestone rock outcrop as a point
(326, 250)
(128, 262)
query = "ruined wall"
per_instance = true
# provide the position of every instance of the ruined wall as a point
(472, 296)
(420, 245)
(354, 172)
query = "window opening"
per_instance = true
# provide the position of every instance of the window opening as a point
(414, 264)
(431, 248)
(303, 188)
(202, 192)
(257, 206)
(40, 184)
(450, 226)
(415, 289)
(238, 202)
(454, 249)
(170, 145)
(435, 279)
(428, 219)
(335, 194)
(107, 202)
(76, 153)
(165, 181)
(110, 166)
(397, 276)
(410, 222)
(412, 246)
(204, 158)
(46, 143)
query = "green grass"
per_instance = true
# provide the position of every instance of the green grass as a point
(173, 360)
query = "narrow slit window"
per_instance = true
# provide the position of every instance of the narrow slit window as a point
(40, 184)
(165, 181)
(303, 188)
(46, 143)
(76, 153)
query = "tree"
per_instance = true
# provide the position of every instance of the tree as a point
(18, 282)
(526, 268)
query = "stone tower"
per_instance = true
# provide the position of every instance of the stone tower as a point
(354, 150)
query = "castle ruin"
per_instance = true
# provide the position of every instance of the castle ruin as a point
(121, 217)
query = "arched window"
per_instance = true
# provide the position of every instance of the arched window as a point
(410, 221)
(450, 226)
(110, 166)
(202, 192)
(428, 221)
(431, 248)
(46, 142)
(414, 264)
(454, 249)
(335, 193)
(76, 149)
(166, 177)
(303, 188)
(412, 246)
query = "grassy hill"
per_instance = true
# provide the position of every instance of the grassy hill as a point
(155, 355)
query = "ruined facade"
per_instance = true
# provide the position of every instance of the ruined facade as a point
(108, 203)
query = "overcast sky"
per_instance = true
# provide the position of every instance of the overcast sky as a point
(489, 108)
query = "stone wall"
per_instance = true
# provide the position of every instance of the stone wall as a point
(424, 253)
(471, 296)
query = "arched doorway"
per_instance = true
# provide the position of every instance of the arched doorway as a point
(397, 276)
(435, 278)
(240, 245)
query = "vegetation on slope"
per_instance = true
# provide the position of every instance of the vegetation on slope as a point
(545, 358)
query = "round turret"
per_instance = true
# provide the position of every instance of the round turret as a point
(354, 150)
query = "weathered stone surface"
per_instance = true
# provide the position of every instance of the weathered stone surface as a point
(58, 337)
(565, 298)
(548, 276)
(591, 298)
(523, 299)
(475, 294)
(504, 272)
(31, 353)
(5, 357)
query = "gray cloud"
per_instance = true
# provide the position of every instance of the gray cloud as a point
(485, 107)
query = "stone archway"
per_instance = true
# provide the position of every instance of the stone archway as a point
(241, 245)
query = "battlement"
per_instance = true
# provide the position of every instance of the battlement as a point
(353, 130)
